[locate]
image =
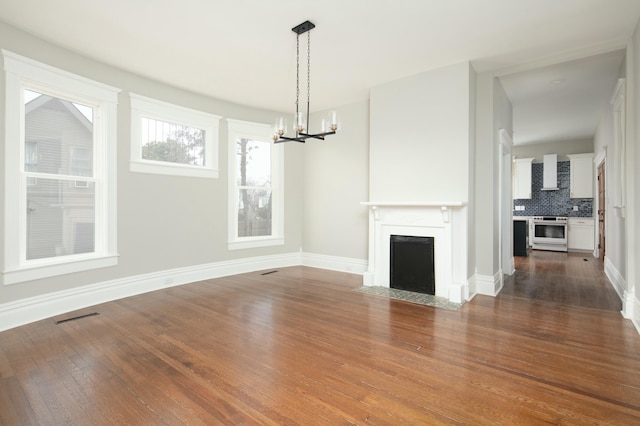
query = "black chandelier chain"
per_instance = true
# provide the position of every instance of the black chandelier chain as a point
(308, 75)
(297, 75)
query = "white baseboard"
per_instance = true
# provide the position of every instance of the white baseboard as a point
(488, 285)
(630, 302)
(472, 285)
(458, 293)
(334, 263)
(631, 310)
(616, 278)
(24, 311)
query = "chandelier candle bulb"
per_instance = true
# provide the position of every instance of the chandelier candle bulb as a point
(279, 128)
(299, 122)
(334, 121)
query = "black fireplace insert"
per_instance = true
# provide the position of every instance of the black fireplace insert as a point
(412, 264)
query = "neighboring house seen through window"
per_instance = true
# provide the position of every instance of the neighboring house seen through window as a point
(80, 160)
(31, 160)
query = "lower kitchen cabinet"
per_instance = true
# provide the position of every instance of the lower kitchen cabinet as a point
(581, 234)
(520, 237)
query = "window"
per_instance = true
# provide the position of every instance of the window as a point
(170, 139)
(60, 165)
(255, 186)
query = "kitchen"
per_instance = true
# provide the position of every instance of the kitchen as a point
(553, 204)
(557, 109)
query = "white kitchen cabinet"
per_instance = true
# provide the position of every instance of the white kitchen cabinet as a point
(522, 178)
(581, 175)
(581, 234)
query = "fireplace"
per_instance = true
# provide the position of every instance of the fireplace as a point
(411, 266)
(445, 224)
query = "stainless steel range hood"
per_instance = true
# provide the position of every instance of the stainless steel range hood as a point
(550, 173)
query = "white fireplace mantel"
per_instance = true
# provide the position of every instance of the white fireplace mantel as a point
(446, 222)
(414, 203)
(444, 206)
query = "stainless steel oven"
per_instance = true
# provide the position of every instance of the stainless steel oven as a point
(549, 233)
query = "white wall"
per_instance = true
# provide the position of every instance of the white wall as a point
(164, 222)
(623, 225)
(471, 184)
(502, 119)
(615, 240)
(493, 112)
(484, 186)
(632, 304)
(419, 143)
(335, 177)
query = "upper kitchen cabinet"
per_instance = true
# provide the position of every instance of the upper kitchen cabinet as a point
(581, 175)
(522, 178)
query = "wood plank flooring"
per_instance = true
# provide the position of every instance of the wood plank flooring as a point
(567, 279)
(299, 346)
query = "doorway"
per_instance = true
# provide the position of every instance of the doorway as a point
(547, 104)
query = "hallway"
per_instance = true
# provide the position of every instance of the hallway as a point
(565, 279)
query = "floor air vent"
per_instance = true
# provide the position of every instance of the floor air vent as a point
(78, 317)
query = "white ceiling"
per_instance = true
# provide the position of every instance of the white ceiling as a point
(244, 50)
(564, 101)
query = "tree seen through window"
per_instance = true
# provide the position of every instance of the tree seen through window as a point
(254, 188)
(173, 143)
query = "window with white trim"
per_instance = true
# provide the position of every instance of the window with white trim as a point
(60, 162)
(256, 201)
(173, 140)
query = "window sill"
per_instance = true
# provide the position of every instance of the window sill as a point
(44, 271)
(255, 242)
(173, 169)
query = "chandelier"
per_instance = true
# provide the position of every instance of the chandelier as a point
(301, 120)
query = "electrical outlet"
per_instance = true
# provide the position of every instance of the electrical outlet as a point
(575, 208)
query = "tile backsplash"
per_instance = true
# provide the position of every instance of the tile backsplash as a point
(552, 203)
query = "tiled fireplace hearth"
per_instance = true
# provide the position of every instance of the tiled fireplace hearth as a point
(446, 222)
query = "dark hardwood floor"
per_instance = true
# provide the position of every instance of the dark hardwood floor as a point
(567, 279)
(299, 346)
